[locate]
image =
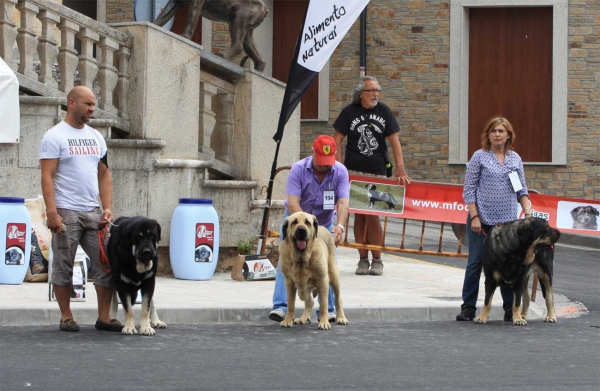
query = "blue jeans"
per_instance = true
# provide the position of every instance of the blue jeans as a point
(280, 293)
(474, 266)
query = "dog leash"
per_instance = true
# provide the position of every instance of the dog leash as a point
(104, 233)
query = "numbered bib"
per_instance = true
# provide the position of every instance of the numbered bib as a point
(328, 200)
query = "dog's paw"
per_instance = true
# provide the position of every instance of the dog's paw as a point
(341, 320)
(302, 321)
(129, 330)
(550, 319)
(324, 325)
(479, 320)
(287, 322)
(159, 324)
(147, 330)
(519, 322)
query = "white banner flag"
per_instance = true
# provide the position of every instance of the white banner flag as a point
(327, 22)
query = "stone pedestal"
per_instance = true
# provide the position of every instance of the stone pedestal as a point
(164, 88)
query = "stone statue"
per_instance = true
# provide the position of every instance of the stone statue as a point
(243, 16)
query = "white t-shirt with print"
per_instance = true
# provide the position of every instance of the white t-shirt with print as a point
(78, 152)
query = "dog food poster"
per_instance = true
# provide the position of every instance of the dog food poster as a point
(205, 241)
(578, 215)
(15, 243)
(373, 196)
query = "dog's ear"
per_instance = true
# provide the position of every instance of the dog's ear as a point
(284, 228)
(315, 226)
(574, 212)
(158, 231)
(594, 211)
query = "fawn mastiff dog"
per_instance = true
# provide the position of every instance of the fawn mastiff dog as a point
(307, 256)
(510, 253)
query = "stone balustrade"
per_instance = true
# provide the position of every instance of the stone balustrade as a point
(217, 97)
(45, 33)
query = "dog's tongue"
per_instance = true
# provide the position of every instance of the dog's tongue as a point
(301, 244)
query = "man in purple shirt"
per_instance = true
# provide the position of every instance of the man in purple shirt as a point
(316, 185)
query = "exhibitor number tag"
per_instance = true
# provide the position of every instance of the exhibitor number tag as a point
(328, 200)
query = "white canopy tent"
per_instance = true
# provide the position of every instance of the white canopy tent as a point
(9, 105)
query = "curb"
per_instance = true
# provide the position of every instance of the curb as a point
(199, 316)
(589, 241)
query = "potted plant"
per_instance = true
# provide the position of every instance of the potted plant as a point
(244, 247)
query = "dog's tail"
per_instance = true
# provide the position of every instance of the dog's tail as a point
(315, 293)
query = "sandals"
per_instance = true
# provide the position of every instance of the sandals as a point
(113, 325)
(68, 325)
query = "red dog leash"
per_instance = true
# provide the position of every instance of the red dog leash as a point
(104, 262)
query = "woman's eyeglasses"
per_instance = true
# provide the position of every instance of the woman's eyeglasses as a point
(372, 91)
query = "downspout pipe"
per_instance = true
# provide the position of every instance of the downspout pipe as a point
(363, 42)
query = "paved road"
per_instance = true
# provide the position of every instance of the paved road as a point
(380, 356)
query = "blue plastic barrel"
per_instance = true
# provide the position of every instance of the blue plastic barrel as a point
(15, 240)
(194, 242)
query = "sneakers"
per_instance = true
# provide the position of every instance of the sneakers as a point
(113, 325)
(466, 313)
(330, 316)
(508, 316)
(376, 267)
(68, 325)
(363, 267)
(277, 315)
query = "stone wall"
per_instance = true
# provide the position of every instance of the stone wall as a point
(119, 11)
(408, 51)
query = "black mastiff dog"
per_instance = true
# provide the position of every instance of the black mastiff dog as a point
(132, 252)
(376, 195)
(510, 253)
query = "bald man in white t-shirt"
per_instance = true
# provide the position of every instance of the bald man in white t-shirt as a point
(73, 159)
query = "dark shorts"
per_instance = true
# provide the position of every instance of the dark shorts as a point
(82, 228)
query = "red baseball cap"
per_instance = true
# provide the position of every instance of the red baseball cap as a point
(324, 147)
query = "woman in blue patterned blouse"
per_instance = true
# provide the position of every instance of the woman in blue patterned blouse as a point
(491, 200)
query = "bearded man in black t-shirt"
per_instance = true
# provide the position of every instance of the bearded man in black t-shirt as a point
(368, 123)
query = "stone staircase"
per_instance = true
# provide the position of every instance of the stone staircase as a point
(179, 122)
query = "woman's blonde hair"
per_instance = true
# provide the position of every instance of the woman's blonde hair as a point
(495, 121)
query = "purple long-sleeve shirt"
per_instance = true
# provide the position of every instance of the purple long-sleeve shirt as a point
(303, 182)
(488, 186)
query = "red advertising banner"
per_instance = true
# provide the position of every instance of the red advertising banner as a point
(443, 202)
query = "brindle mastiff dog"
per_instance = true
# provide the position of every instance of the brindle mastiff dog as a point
(243, 16)
(510, 253)
(307, 256)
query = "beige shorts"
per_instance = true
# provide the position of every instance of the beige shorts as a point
(82, 228)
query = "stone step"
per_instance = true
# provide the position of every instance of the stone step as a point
(108, 124)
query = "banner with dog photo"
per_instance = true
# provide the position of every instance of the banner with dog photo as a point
(443, 202)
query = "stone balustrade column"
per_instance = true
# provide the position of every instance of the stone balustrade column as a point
(87, 66)
(47, 47)
(26, 38)
(123, 56)
(8, 32)
(207, 119)
(225, 128)
(107, 74)
(67, 55)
